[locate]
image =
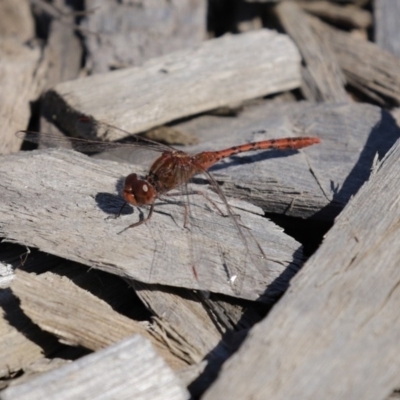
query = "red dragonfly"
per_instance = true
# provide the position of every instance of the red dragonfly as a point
(172, 169)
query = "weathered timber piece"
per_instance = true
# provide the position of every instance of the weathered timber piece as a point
(21, 71)
(83, 319)
(6, 274)
(285, 182)
(9, 260)
(16, 20)
(128, 34)
(387, 30)
(316, 182)
(336, 330)
(323, 79)
(347, 15)
(130, 369)
(367, 67)
(57, 201)
(63, 53)
(357, 2)
(217, 73)
(36, 368)
(21, 342)
(181, 316)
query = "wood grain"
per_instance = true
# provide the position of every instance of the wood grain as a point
(63, 52)
(83, 320)
(386, 16)
(23, 342)
(217, 73)
(16, 20)
(336, 330)
(21, 71)
(316, 182)
(366, 66)
(125, 34)
(129, 369)
(323, 79)
(60, 206)
(346, 15)
(182, 318)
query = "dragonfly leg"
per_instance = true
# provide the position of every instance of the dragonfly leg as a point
(120, 210)
(139, 222)
(212, 202)
(115, 216)
(199, 192)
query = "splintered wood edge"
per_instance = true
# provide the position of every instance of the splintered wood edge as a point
(23, 69)
(317, 55)
(77, 321)
(179, 84)
(338, 322)
(104, 374)
(148, 259)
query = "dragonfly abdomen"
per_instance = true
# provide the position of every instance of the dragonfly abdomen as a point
(209, 158)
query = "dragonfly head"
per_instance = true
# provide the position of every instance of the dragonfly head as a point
(138, 192)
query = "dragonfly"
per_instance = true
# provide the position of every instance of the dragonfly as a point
(173, 169)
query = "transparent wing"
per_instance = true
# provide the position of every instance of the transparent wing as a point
(83, 145)
(222, 251)
(88, 127)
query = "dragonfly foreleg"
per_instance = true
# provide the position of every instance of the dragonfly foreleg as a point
(140, 222)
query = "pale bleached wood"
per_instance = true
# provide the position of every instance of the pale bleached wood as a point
(281, 182)
(286, 182)
(323, 72)
(21, 79)
(21, 341)
(16, 20)
(358, 2)
(37, 368)
(337, 329)
(366, 66)
(83, 319)
(63, 52)
(130, 369)
(348, 14)
(58, 200)
(6, 274)
(183, 318)
(217, 73)
(386, 17)
(123, 34)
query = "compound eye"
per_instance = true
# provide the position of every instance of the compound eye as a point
(137, 191)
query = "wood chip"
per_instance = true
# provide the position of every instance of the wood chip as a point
(280, 182)
(21, 342)
(179, 84)
(183, 316)
(325, 80)
(347, 15)
(82, 320)
(16, 20)
(127, 370)
(76, 229)
(123, 34)
(364, 63)
(336, 331)
(21, 80)
(386, 17)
